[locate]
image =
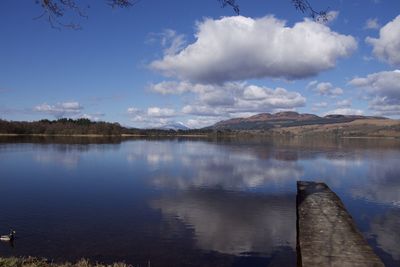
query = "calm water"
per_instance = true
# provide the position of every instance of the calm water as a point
(188, 202)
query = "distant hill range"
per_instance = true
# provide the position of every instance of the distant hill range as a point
(265, 121)
(265, 124)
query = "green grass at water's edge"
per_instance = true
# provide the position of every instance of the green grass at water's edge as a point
(36, 262)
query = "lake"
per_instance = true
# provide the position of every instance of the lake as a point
(188, 202)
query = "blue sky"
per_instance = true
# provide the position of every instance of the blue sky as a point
(196, 63)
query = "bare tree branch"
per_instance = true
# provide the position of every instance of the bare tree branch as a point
(231, 3)
(302, 5)
(55, 10)
(121, 3)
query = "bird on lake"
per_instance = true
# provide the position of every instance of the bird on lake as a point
(8, 238)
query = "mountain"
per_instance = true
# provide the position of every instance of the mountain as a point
(174, 126)
(283, 119)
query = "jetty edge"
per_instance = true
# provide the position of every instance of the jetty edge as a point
(326, 233)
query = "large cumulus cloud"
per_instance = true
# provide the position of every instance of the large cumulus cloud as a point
(384, 89)
(239, 48)
(387, 46)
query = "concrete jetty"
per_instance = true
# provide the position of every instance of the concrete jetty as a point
(326, 233)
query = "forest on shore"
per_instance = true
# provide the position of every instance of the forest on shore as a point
(81, 126)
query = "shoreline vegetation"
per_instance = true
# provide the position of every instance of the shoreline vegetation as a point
(36, 262)
(84, 127)
(360, 128)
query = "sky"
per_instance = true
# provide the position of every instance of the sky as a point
(196, 63)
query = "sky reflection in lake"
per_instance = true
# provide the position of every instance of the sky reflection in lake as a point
(189, 202)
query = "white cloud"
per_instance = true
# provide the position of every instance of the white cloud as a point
(367, 58)
(318, 106)
(60, 110)
(200, 110)
(93, 117)
(181, 87)
(325, 88)
(331, 16)
(152, 117)
(372, 24)
(239, 48)
(384, 106)
(345, 103)
(384, 90)
(256, 98)
(232, 98)
(207, 104)
(387, 46)
(170, 87)
(384, 83)
(312, 84)
(345, 111)
(136, 114)
(170, 40)
(321, 105)
(132, 110)
(200, 122)
(160, 112)
(217, 98)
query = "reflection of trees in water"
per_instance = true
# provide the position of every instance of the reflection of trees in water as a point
(67, 155)
(67, 160)
(63, 150)
(386, 230)
(234, 223)
(84, 140)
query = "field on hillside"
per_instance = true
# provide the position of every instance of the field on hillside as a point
(357, 128)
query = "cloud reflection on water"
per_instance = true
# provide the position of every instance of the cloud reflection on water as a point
(210, 165)
(382, 184)
(211, 183)
(198, 198)
(67, 160)
(386, 230)
(234, 223)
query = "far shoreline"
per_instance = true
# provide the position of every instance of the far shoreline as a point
(232, 134)
(107, 135)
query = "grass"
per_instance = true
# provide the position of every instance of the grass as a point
(357, 128)
(36, 262)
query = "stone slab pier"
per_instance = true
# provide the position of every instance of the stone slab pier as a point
(326, 233)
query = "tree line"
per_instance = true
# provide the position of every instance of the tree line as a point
(61, 127)
(83, 126)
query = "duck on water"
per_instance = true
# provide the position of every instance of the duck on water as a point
(8, 238)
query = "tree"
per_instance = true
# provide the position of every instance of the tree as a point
(301, 5)
(55, 10)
